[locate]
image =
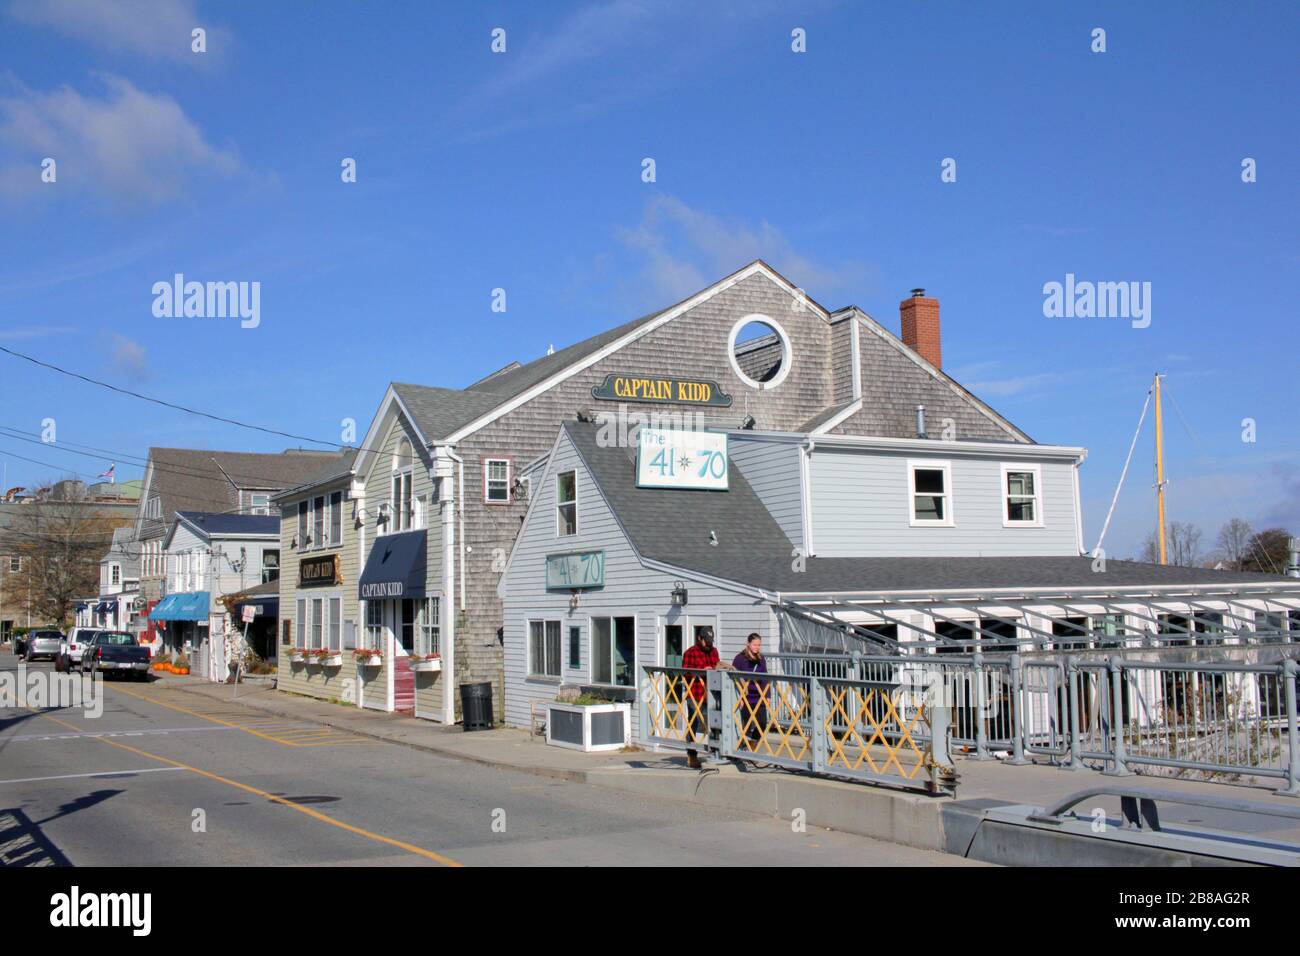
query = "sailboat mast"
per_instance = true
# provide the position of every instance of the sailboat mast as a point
(1160, 475)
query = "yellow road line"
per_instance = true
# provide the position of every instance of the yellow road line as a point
(283, 738)
(247, 788)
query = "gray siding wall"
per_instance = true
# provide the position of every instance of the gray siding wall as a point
(692, 346)
(630, 590)
(861, 507)
(772, 470)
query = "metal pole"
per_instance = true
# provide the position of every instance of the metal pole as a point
(1072, 727)
(1118, 768)
(1292, 737)
(1160, 472)
(1018, 758)
(981, 707)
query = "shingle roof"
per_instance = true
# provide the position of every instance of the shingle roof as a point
(190, 479)
(673, 527)
(232, 524)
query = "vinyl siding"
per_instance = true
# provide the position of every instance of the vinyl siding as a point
(332, 683)
(630, 590)
(861, 502)
(772, 470)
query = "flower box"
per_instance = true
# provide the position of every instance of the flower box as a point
(428, 665)
(589, 727)
(373, 659)
(330, 660)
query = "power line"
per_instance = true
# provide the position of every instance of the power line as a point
(163, 402)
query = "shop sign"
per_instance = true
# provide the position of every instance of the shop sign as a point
(638, 387)
(673, 458)
(578, 569)
(318, 571)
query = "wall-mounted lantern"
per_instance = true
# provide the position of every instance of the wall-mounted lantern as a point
(679, 594)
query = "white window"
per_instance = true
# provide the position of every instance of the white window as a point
(15, 563)
(336, 518)
(613, 650)
(318, 522)
(544, 648)
(930, 493)
(374, 625)
(270, 565)
(566, 503)
(401, 509)
(302, 526)
(257, 502)
(115, 574)
(317, 623)
(303, 624)
(496, 480)
(430, 641)
(1022, 496)
(336, 624)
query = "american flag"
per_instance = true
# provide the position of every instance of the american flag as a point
(108, 474)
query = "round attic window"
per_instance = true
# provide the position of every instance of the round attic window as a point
(759, 351)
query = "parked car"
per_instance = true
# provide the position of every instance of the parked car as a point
(43, 643)
(71, 649)
(115, 652)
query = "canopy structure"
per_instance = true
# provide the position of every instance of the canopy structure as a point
(1050, 618)
(396, 567)
(189, 606)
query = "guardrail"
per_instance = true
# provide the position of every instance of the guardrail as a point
(1216, 718)
(875, 730)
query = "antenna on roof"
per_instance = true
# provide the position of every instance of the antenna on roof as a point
(550, 349)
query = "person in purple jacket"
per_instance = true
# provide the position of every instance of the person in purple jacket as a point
(753, 715)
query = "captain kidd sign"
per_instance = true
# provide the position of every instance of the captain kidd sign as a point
(670, 458)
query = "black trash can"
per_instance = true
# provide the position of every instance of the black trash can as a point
(476, 706)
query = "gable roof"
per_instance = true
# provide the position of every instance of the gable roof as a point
(672, 527)
(190, 479)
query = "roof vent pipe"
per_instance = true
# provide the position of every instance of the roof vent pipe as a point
(920, 421)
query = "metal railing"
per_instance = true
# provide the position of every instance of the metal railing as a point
(833, 725)
(1217, 718)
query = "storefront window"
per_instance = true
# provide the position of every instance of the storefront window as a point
(407, 633)
(613, 650)
(317, 624)
(336, 624)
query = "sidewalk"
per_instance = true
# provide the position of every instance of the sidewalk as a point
(897, 816)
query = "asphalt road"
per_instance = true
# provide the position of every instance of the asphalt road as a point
(173, 779)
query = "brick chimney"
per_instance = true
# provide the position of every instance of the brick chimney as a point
(920, 321)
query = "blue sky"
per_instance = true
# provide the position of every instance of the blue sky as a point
(522, 171)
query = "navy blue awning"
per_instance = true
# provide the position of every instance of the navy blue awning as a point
(395, 568)
(268, 606)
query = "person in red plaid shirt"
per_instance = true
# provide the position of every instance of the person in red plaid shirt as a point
(703, 656)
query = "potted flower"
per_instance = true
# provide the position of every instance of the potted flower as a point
(367, 657)
(426, 663)
(328, 658)
(298, 655)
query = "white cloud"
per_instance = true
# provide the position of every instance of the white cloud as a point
(126, 144)
(129, 357)
(155, 28)
(685, 249)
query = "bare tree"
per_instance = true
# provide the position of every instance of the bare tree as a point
(1182, 545)
(58, 543)
(1234, 542)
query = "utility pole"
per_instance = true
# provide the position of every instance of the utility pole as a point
(1160, 475)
